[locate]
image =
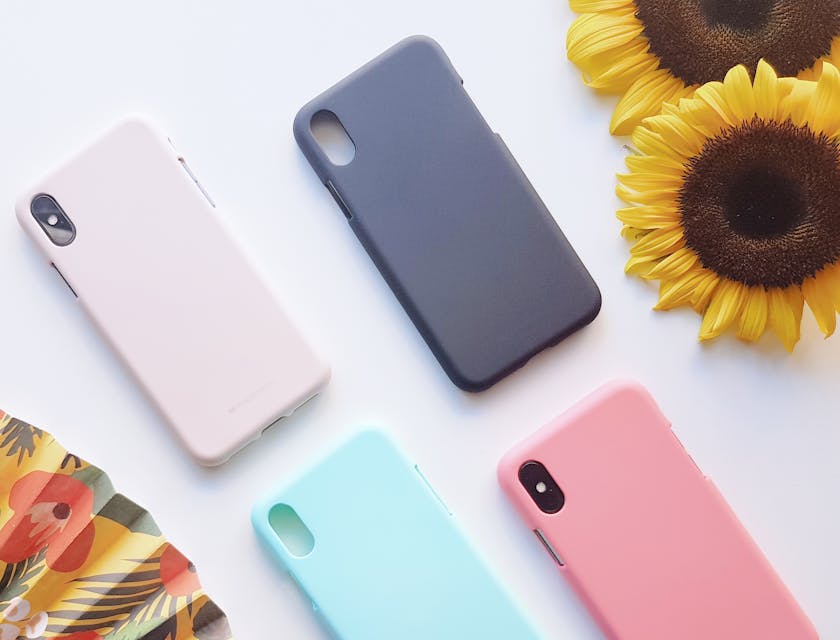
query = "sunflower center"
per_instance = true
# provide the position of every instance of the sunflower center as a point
(737, 14)
(700, 40)
(760, 203)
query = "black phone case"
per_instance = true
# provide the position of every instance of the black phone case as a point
(448, 216)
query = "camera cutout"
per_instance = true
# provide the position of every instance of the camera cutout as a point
(542, 488)
(292, 531)
(333, 138)
(51, 217)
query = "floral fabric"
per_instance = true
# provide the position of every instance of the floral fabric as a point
(81, 562)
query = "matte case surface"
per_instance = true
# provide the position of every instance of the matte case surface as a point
(165, 284)
(388, 560)
(448, 216)
(647, 540)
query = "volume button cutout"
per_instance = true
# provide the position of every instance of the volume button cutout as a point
(685, 451)
(432, 489)
(339, 200)
(61, 275)
(201, 188)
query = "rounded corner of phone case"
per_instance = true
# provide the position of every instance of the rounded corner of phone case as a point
(22, 212)
(506, 470)
(595, 304)
(139, 121)
(210, 457)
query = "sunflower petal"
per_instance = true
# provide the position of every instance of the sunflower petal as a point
(645, 97)
(766, 91)
(724, 307)
(738, 93)
(713, 94)
(678, 292)
(659, 243)
(644, 181)
(817, 295)
(649, 217)
(753, 320)
(680, 135)
(677, 264)
(609, 48)
(592, 6)
(785, 314)
(822, 112)
(704, 289)
(795, 104)
(832, 281)
(652, 143)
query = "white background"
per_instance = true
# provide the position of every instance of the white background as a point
(225, 80)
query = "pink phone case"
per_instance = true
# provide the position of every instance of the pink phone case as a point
(171, 292)
(645, 539)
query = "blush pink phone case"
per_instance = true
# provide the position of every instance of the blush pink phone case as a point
(645, 539)
(171, 292)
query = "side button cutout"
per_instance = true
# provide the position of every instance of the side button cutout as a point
(432, 489)
(61, 275)
(685, 451)
(194, 179)
(549, 548)
(339, 200)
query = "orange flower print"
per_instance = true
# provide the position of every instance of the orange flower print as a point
(177, 573)
(52, 512)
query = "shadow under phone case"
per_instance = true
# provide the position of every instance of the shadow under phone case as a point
(171, 292)
(646, 540)
(448, 216)
(388, 560)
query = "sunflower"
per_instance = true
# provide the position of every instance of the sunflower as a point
(655, 51)
(735, 196)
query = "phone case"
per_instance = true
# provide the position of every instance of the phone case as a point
(171, 292)
(646, 540)
(448, 216)
(388, 560)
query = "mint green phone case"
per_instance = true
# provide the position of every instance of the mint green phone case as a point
(387, 559)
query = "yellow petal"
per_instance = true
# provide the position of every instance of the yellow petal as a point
(795, 104)
(831, 280)
(654, 197)
(650, 180)
(753, 318)
(649, 217)
(659, 243)
(704, 289)
(645, 97)
(714, 96)
(597, 42)
(639, 265)
(766, 91)
(655, 164)
(685, 140)
(823, 111)
(678, 292)
(593, 6)
(785, 314)
(724, 307)
(818, 296)
(738, 92)
(652, 143)
(677, 264)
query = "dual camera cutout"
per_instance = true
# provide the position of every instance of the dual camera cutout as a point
(333, 138)
(541, 486)
(53, 220)
(293, 533)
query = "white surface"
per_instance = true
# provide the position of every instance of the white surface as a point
(225, 80)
